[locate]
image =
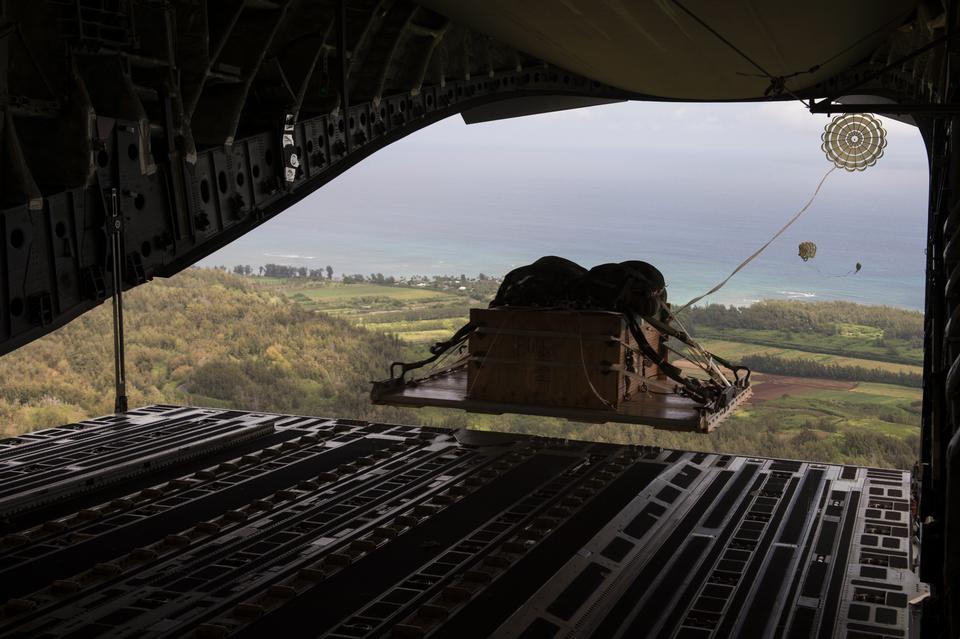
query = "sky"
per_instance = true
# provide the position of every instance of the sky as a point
(457, 198)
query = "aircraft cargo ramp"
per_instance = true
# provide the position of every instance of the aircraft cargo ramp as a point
(178, 521)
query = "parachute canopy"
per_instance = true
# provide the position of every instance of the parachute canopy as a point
(808, 250)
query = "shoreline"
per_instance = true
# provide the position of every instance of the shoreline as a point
(731, 298)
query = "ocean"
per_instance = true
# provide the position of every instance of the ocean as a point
(464, 201)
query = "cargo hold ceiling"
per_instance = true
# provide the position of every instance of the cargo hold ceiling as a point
(658, 48)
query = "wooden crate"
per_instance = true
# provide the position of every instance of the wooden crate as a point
(546, 357)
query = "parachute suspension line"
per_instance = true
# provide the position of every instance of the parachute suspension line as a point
(440, 365)
(437, 369)
(762, 248)
(437, 351)
(697, 354)
(692, 387)
(853, 271)
(707, 358)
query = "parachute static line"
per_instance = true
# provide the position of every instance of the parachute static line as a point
(760, 250)
(851, 142)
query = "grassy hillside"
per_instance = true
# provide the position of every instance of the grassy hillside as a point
(206, 337)
(202, 337)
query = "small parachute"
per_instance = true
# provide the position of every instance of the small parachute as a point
(808, 250)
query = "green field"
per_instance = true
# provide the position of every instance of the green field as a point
(880, 408)
(859, 344)
(344, 293)
(417, 315)
(732, 350)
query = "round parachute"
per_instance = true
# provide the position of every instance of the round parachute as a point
(854, 141)
(807, 250)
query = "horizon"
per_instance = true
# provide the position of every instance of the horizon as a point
(583, 183)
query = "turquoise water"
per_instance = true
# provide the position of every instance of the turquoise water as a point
(441, 206)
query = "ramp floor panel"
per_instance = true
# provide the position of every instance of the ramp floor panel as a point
(255, 523)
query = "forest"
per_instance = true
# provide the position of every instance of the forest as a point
(208, 337)
(810, 368)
